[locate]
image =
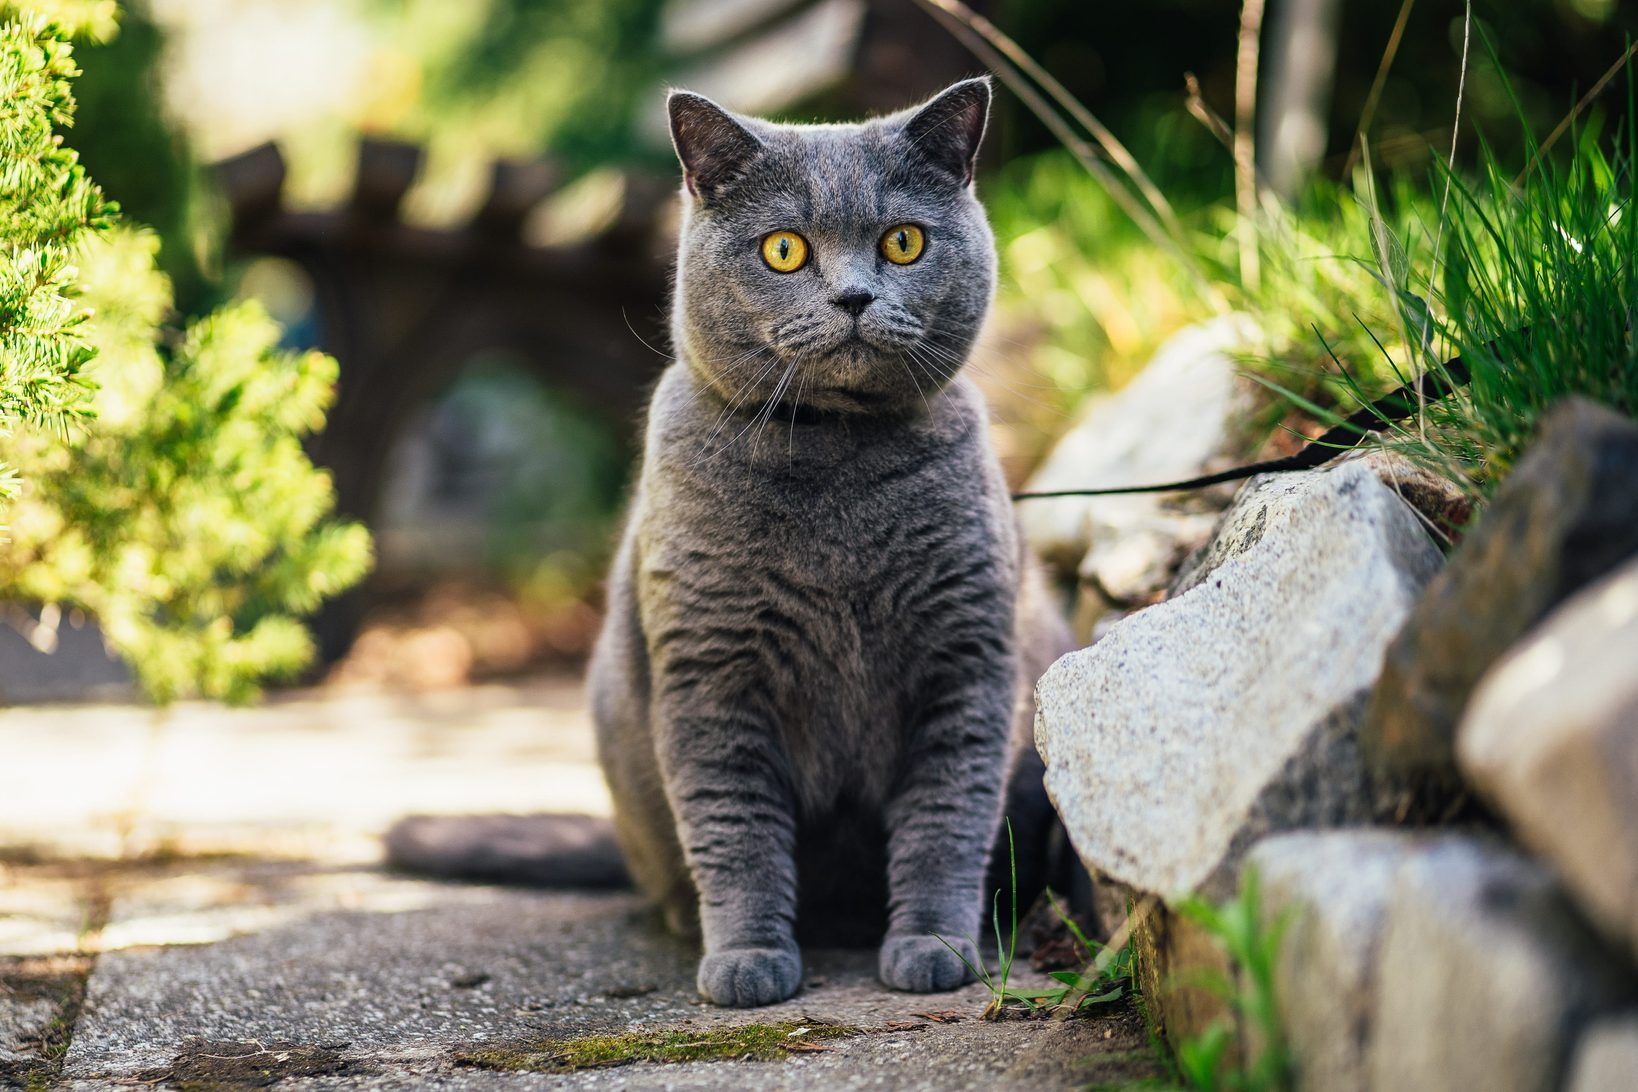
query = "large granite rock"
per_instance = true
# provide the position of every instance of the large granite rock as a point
(1182, 416)
(1607, 1057)
(1567, 515)
(1550, 738)
(1230, 711)
(1486, 975)
(1329, 892)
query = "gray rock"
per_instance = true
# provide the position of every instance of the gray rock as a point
(1330, 890)
(1567, 515)
(1551, 739)
(1182, 416)
(1485, 976)
(1230, 711)
(1607, 1057)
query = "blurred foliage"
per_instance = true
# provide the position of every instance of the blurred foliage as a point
(517, 471)
(519, 76)
(137, 154)
(496, 78)
(1084, 299)
(1126, 62)
(93, 20)
(177, 507)
(560, 471)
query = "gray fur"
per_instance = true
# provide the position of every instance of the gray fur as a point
(813, 679)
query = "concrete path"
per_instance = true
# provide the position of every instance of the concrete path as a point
(192, 901)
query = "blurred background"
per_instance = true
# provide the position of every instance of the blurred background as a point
(471, 207)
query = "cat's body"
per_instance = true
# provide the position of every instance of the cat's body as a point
(813, 682)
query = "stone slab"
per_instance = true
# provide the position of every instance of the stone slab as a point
(1329, 893)
(1606, 1059)
(1181, 416)
(312, 774)
(1550, 739)
(1486, 974)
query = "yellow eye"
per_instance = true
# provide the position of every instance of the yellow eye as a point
(785, 251)
(903, 244)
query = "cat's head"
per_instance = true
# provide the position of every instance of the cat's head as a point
(831, 267)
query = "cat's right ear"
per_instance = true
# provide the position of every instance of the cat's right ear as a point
(713, 147)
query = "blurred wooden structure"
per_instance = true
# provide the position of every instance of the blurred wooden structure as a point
(404, 308)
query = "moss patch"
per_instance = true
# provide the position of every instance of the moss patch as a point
(750, 1042)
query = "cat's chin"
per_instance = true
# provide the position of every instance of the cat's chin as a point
(847, 400)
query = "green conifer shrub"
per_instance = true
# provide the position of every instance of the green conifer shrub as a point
(165, 491)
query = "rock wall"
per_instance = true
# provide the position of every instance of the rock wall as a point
(1432, 765)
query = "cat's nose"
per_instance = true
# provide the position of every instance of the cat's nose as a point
(854, 300)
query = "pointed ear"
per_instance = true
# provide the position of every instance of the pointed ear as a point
(948, 130)
(713, 147)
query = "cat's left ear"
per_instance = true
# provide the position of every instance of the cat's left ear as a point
(948, 130)
(714, 147)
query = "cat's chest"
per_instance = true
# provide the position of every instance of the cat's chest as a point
(848, 549)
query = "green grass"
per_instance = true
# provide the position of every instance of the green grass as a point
(756, 1042)
(1533, 288)
(1105, 980)
(1523, 269)
(1207, 1061)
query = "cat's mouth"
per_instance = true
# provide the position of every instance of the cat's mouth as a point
(858, 343)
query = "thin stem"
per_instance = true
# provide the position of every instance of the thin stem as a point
(1444, 202)
(1592, 93)
(1076, 109)
(1245, 141)
(1084, 153)
(1368, 114)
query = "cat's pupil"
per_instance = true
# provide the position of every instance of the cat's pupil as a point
(903, 239)
(784, 249)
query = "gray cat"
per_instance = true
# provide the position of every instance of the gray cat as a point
(813, 683)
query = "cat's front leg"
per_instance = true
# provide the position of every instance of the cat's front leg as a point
(725, 773)
(941, 825)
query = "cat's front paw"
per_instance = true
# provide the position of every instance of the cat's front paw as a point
(923, 964)
(744, 977)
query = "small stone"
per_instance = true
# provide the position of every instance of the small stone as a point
(1567, 515)
(1551, 739)
(1330, 890)
(1607, 1057)
(1445, 506)
(23, 1021)
(1485, 976)
(1230, 711)
(1182, 416)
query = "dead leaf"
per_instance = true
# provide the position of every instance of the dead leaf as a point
(945, 1016)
